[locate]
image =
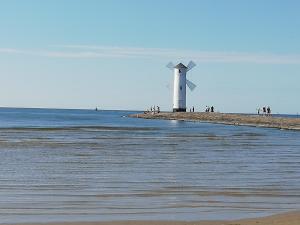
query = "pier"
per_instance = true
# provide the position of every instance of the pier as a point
(286, 123)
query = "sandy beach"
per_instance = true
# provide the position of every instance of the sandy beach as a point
(226, 118)
(291, 218)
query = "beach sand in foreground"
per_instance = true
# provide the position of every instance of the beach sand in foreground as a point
(291, 218)
(227, 118)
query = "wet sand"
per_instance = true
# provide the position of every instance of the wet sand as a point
(291, 218)
(226, 118)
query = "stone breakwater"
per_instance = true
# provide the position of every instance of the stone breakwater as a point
(227, 118)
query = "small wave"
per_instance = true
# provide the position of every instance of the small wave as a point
(248, 134)
(80, 128)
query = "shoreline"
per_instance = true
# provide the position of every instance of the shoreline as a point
(284, 123)
(289, 218)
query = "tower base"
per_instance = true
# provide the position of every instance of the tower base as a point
(179, 110)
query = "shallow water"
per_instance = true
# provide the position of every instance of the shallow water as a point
(75, 165)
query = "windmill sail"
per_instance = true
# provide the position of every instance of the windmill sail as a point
(190, 84)
(191, 65)
(170, 65)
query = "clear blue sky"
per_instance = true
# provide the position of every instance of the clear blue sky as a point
(112, 54)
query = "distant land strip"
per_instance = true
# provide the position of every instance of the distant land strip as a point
(227, 118)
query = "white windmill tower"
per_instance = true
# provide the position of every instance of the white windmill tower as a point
(180, 82)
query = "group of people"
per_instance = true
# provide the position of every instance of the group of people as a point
(266, 111)
(210, 109)
(192, 109)
(153, 110)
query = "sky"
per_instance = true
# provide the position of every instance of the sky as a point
(112, 54)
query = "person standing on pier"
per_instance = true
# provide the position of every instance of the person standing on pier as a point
(269, 111)
(264, 110)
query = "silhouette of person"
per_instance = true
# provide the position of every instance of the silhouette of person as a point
(269, 110)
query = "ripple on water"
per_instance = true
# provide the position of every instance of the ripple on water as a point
(147, 170)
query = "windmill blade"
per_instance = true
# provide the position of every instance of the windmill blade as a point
(191, 85)
(170, 65)
(191, 65)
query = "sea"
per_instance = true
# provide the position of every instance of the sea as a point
(87, 165)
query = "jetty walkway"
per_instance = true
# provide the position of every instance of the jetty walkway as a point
(227, 118)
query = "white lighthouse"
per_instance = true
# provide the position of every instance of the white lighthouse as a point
(180, 83)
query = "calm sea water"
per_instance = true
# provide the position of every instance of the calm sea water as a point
(81, 165)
